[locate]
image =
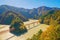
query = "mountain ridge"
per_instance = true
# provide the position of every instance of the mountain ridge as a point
(25, 14)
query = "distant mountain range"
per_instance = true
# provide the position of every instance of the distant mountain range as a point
(9, 13)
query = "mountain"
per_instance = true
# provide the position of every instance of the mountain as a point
(43, 10)
(9, 13)
(8, 17)
(26, 12)
(4, 8)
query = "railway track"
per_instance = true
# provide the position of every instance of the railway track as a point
(10, 37)
(2, 32)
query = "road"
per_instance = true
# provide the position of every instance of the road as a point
(9, 36)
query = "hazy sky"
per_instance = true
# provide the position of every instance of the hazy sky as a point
(31, 3)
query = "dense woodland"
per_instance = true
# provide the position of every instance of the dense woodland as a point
(19, 27)
(53, 31)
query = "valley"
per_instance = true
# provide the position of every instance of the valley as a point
(9, 36)
(41, 23)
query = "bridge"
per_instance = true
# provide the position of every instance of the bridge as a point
(31, 23)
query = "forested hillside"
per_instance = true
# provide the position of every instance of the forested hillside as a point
(8, 13)
(8, 17)
(52, 32)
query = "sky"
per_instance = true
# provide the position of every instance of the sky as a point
(29, 4)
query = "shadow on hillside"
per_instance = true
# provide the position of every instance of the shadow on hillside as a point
(18, 33)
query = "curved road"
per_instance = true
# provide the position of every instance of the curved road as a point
(8, 36)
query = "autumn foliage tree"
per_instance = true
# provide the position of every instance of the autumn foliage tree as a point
(18, 25)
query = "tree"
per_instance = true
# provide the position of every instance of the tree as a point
(58, 31)
(53, 22)
(18, 24)
(36, 36)
(49, 34)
